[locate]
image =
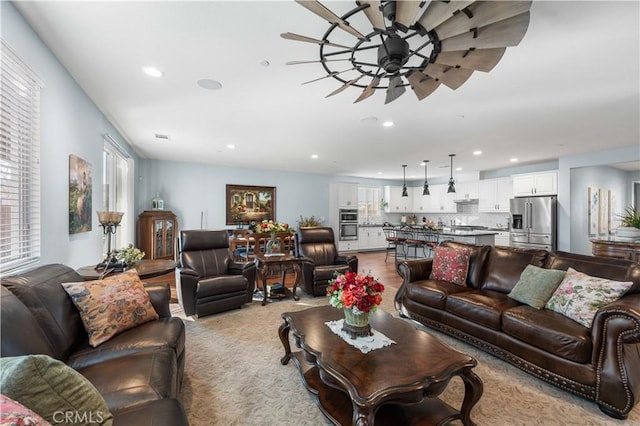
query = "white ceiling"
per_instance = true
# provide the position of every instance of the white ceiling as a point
(571, 86)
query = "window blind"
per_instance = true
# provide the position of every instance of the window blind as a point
(19, 162)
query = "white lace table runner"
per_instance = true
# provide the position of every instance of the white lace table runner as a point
(366, 343)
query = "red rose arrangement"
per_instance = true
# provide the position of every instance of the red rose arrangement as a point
(360, 293)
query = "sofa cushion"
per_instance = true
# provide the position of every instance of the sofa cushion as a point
(12, 413)
(221, 285)
(450, 264)
(432, 292)
(135, 379)
(151, 336)
(26, 339)
(480, 306)
(48, 386)
(505, 264)
(40, 290)
(108, 307)
(549, 331)
(536, 285)
(579, 295)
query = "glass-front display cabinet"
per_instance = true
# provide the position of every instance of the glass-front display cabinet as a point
(157, 234)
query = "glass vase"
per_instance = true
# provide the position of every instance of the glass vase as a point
(356, 325)
(273, 245)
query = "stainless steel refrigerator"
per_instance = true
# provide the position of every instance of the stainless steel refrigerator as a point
(533, 222)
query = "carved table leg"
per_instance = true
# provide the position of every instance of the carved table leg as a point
(473, 389)
(296, 275)
(263, 273)
(283, 332)
(363, 416)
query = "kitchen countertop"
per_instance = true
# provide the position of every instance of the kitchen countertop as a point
(469, 233)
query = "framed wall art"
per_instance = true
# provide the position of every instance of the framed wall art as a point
(593, 195)
(603, 228)
(80, 190)
(250, 203)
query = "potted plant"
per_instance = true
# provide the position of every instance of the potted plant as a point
(308, 222)
(630, 223)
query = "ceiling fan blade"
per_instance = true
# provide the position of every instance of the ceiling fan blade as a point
(320, 10)
(508, 32)
(437, 12)
(374, 14)
(395, 89)
(328, 75)
(406, 11)
(475, 59)
(482, 13)
(298, 37)
(344, 86)
(315, 62)
(369, 90)
(450, 76)
(422, 85)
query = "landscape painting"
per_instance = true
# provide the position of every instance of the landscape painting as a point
(80, 190)
(246, 204)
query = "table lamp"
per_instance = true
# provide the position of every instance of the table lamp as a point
(109, 222)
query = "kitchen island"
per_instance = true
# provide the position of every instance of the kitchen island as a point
(478, 237)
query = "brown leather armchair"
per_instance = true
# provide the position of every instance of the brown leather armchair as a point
(208, 279)
(320, 260)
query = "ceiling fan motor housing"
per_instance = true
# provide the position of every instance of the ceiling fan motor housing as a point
(393, 53)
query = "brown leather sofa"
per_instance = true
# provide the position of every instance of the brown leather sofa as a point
(138, 372)
(601, 364)
(209, 280)
(320, 259)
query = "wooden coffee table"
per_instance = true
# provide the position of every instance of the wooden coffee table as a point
(394, 385)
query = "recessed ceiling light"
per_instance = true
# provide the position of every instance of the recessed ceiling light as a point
(458, 169)
(379, 173)
(388, 124)
(152, 72)
(314, 156)
(514, 160)
(478, 152)
(209, 84)
(231, 146)
(369, 120)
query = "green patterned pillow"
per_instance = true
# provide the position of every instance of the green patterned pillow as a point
(579, 296)
(536, 285)
(53, 390)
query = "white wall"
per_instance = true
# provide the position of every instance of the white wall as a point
(71, 124)
(603, 177)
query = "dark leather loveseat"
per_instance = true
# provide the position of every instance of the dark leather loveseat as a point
(601, 363)
(138, 372)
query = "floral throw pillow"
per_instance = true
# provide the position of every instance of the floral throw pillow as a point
(110, 306)
(14, 413)
(450, 265)
(579, 296)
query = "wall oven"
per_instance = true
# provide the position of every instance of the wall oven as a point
(348, 224)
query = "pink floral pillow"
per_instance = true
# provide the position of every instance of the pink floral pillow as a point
(14, 413)
(579, 296)
(110, 306)
(451, 265)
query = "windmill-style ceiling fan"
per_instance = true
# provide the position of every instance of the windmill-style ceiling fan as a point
(425, 43)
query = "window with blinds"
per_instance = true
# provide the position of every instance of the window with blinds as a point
(19, 162)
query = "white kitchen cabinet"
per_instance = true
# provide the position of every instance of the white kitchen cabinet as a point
(494, 195)
(420, 202)
(466, 190)
(398, 203)
(439, 201)
(502, 238)
(371, 238)
(348, 195)
(544, 183)
(345, 246)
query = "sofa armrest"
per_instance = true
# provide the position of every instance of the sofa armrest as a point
(238, 268)
(410, 271)
(615, 335)
(186, 285)
(350, 260)
(160, 297)
(247, 270)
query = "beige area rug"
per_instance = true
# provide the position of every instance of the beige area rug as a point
(233, 376)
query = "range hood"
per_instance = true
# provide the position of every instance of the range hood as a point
(466, 201)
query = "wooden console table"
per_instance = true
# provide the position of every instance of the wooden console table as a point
(265, 262)
(149, 271)
(617, 247)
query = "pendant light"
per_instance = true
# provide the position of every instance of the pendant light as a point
(425, 188)
(452, 188)
(404, 181)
